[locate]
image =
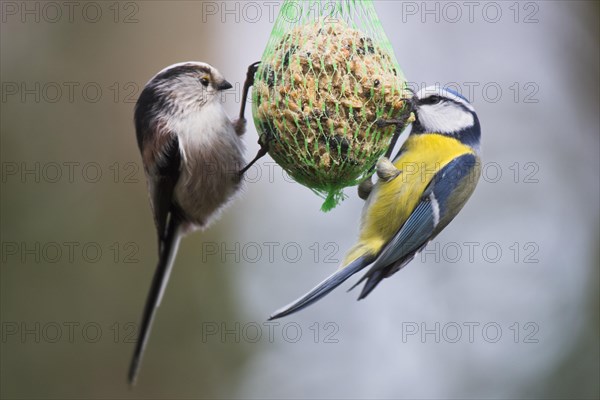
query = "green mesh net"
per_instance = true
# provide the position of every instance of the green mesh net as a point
(327, 75)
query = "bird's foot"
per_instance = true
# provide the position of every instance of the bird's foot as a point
(384, 123)
(386, 171)
(365, 188)
(264, 149)
(404, 119)
(252, 68)
(239, 125)
(249, 82)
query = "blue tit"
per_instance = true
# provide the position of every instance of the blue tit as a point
(415, 198)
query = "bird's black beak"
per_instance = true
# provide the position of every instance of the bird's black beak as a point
(224, 85)
(412, 100)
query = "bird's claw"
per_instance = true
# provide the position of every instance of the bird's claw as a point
(252, 68)
(264, 149)
(384, 123)
(249, 82)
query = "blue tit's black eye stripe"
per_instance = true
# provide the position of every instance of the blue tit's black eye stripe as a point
(434, 99)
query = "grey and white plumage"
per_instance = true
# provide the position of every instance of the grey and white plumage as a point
(192, 154)
(184, 134)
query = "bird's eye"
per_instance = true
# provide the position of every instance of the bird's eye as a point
(431, 100)
(204, 81)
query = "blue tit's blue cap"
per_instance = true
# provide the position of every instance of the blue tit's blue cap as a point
(454, 92)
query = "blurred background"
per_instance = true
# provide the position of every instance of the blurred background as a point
(503, 304)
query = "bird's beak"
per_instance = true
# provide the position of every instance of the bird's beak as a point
(412, 101)
(224, 85)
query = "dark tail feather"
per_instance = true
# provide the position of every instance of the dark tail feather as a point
(361, 280)
(159, 282)
(323, 288)
(373, 279)
(376, 274)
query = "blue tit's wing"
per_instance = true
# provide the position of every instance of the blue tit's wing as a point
(412, 237)
(440, 202)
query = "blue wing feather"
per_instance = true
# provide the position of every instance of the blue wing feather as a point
(416, 230)
(323, 288)
(420, 227)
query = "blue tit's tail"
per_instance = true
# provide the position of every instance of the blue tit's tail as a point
(373, 277)
(377, 273)
(324, 287)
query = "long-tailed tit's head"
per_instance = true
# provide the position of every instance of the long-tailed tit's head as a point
(188, 84)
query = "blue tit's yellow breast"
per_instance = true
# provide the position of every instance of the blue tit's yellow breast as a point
(421, 157)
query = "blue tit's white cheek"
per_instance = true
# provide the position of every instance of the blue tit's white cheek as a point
(444, 118)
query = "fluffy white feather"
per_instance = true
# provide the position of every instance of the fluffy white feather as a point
(212, 155)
